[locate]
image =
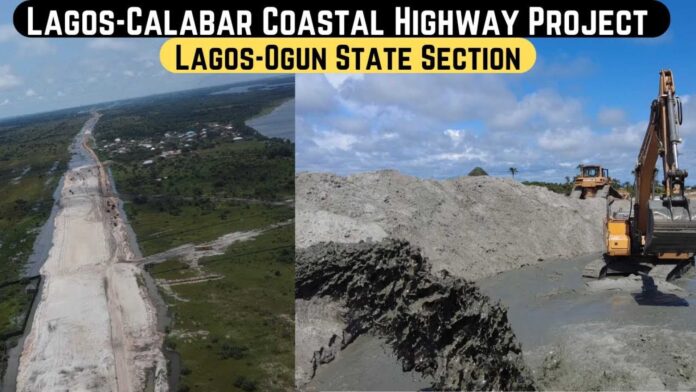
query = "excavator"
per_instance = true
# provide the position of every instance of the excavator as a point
(593, 181)
(653, 234)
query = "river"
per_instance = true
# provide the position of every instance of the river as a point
(278, 123)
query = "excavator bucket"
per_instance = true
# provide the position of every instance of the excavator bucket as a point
(671, 229)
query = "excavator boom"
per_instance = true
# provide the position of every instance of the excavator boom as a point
(663, 225)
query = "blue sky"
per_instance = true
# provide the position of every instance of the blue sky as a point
(586, 100)
(38, 75)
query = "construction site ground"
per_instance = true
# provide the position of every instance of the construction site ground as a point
(523, 246)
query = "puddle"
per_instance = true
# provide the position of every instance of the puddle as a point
(366, 364)
(545, 297)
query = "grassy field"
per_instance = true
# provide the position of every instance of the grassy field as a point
(14, 303)
(246, 317)
(189, 170)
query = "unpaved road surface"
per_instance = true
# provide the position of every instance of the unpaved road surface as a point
(94, 327)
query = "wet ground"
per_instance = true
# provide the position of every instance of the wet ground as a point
(618, 333)
(545, 297)
(366, 364)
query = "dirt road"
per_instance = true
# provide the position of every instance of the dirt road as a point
(94, 327)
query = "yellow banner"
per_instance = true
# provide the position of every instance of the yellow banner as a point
(348, 55)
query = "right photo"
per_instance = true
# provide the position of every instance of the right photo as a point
(531, 232)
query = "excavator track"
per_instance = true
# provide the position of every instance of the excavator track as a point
(670, 271)
(595, 269)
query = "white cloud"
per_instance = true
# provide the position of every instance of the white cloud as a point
(611, 116)
(5, 102)
(7, 78)
(564, 140)
(456, 135)
(443, 125)
(333, 140)
(128, 73)
(30, 93)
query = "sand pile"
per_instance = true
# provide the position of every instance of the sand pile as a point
(471, 226)
(441, 326)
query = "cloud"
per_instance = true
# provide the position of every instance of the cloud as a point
(5, 102)
(30, 93)
(456, 135)
(611, 116)
(7, 78)
(443, 125)
(565, 140)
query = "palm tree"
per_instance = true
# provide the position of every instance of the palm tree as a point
(513, 171)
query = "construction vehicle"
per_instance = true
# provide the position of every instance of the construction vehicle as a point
(654, 234)
(593, 181)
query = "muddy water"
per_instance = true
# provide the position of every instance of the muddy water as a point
(543, 298)
(367, 364)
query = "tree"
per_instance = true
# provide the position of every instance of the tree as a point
(513, 171)
(567, 178)
(477, 171)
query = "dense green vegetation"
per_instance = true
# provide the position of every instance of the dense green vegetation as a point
(14, 303)
(232, 179)
(189, 171)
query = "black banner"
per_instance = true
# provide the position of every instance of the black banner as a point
(642, 18)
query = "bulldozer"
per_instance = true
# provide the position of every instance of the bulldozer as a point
(593, 181)
(651, 233)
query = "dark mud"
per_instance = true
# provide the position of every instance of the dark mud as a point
(440, 326)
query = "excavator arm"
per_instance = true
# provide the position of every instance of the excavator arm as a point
(665, 226)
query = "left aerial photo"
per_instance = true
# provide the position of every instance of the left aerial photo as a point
(146, 221)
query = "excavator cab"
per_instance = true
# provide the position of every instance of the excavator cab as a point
(593, 181)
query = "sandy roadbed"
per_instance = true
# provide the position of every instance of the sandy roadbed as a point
(95, 327)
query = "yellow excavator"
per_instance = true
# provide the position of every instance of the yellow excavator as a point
(651, 233)
(593, 181)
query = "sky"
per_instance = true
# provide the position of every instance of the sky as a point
(38, 75)
(585, 101)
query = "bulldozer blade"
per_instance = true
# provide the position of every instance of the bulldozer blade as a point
(576, 193)
(603, 191)
(671, 230)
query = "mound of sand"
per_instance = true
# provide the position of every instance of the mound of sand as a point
(471, 226)
(440, 326)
